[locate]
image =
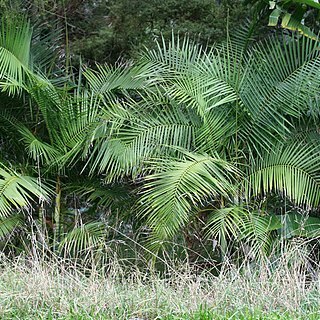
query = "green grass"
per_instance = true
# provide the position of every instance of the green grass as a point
(197, 315)
(51, 290)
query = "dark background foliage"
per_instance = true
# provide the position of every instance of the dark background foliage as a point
(106, 30)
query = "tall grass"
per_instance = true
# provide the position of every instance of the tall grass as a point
(287, 288)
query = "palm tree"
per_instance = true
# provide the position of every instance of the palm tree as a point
(36, 112)
(214, 136)
(20, 187)
(45, 117)
(221, 132)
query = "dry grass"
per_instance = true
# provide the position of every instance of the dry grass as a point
(287, 288)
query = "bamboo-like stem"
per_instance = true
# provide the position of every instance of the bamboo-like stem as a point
(57, 215)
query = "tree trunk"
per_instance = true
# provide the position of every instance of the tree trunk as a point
(57, 215)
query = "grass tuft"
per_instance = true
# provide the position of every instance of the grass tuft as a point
(33, 289)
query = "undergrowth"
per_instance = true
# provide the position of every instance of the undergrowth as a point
(286, 288)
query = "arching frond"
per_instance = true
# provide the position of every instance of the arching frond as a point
(291, 170)
(18, 191)
(86, 237)
(15, 41)
(8, 224)
(179, 54)
(169, 197)
(106, 79)
(227, 223)
(238, 223)
(282, 76)
(134, 136)
(190, 76)
(216, 131)
(39, 151)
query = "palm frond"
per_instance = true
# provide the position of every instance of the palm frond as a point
(18, 191)
(15, 42)
(238, 223)
(216, 131)
(39, 151)
(227, 223)
(291, 170)
(169, 197)
(133, 137)
(107, 79)
(299, 225)
(191, 76)
(8, 224)
(44, 50)
(282, 77)
(84, 238)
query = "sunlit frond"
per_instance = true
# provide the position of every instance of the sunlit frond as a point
(18, 191)
(15, 41)
(291, 170)
(169, 197)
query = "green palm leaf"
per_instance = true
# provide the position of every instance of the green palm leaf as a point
(190, 76)
(169, 197)
(299, 225)
(40, 151)
(106, 80)
(84, 238)
(8, 224)
(291, 170)
(282, 76)
(15, 42)
(18, 191)
(237, 223)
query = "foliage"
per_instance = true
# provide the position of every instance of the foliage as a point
(57, 290)
(139, 23)
(233, 105)
(301, 15)
(203, 141)
(105, 30)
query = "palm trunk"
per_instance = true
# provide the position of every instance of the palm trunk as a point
(41, 228)
(57, 215)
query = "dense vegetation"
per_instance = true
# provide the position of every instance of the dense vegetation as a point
(32, 290)
(107, 30)
(184, 150)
